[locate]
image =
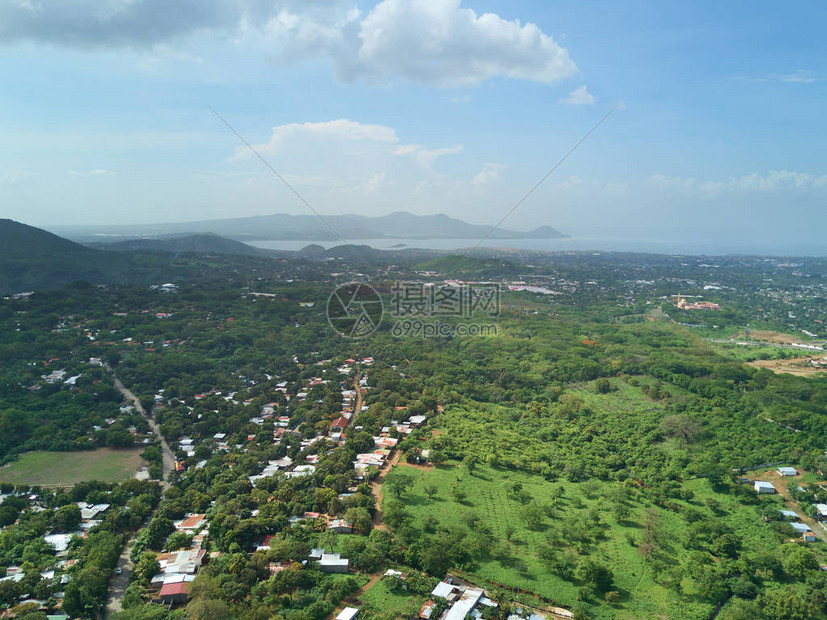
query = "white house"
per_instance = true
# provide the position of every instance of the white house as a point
(348, 613)
(787, 471)
(764, 487)
(333, 563)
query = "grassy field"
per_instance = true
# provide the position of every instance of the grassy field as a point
(68, 468)
(381, 601)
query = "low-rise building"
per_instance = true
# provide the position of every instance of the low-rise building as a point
(174, 593)
(348, 613)
(764, 487)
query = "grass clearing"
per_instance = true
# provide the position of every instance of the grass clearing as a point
(381, 600)
(68, 468)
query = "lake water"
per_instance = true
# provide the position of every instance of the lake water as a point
(605, 244)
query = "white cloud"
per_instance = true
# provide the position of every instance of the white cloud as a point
(440, 43)
(90, 173)
(802, 76)
(427, 157)
(333, 131)
(434, 42)
(579, 96)
(769, 182)
(343, 158)
(489, 173)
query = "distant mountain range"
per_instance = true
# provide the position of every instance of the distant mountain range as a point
(397, 225)
(34, 259)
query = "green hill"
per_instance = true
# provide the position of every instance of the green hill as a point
(205, 243)
(457, 265)
(34, 259)
(31, 258)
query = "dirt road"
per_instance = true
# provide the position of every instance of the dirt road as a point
(167, 458)
(376, 490)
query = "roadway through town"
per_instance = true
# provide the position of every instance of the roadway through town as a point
(119, 581)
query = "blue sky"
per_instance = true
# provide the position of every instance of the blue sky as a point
(422, 105)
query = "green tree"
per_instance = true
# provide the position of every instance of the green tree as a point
(594, 575)
(67, 518)
(784, 604)
(799, 560)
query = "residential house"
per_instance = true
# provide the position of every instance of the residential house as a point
(301, 470)
(187, 561)
(333, 563)
(348, 613)
(340, 526)
(191, 523)
(764, 487)
(90, 511)
(463, 599)
(787, 471)
(800, 528)
(174, 593)
(338, 425)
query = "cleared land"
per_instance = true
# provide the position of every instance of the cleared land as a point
(799, 366)
(67, 468)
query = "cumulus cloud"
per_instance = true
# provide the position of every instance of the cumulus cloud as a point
(489, 173)
(434, 42)
(438, 42)
(339, 129)
(344, 157)
(579, 96)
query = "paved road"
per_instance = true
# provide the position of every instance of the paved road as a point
(120, 581)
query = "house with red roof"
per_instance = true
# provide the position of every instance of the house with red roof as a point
(338, 425)
(174, 593)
